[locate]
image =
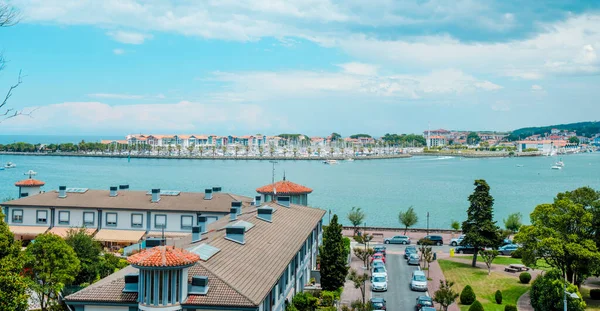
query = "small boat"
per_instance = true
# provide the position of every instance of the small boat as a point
(560, 163)
(1, 168)
(349, 160)
(10, 165)
(330, 162)
(519, 165)
(556, 167)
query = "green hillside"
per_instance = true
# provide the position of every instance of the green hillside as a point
(587, 129)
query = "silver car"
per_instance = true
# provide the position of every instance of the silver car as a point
(418, 281)
(413, 259)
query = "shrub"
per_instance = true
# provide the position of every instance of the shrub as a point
(467, 296)
(498, 297)
(510, 308)
(327, 298)
(518, 253)
(595, 294)
(525, 277)
(476, 306)
(547, 293)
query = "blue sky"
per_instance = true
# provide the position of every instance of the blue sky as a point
(118, 67)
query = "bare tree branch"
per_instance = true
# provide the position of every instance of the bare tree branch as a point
(9, 16)
(11, 112)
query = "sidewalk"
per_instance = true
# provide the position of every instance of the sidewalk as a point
(436, 274)
(350, 293)
(524, 302)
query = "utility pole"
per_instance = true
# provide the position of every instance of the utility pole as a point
(427, 223)
(273, 179)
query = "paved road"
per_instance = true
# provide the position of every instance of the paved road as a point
(399, 295)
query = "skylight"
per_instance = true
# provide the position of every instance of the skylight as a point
(77, 190)
(205, 251)
(242, 223)
(167, 192)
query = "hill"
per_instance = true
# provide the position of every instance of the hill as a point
(587, 129)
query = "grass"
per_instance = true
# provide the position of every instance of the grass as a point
(505, 261)
(484, 285)
(593, 305)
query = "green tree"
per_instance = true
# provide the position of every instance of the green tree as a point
(562, 234)
(88, 252)
(13, 287)
(360, 282)
(356, 218)
(547, 293)
(488, 257)
(333, 262)
(364, 254)
(480, 229)
(335, 136)
(473, 138)
(513, 222)
(408, 218)
(445, 295)
(52, 264)
(455, 225)
(574, 140)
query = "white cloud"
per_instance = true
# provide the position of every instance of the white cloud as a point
(129, 37)
(119, 51)
(536, 87)
(125, 96)
(359, 69)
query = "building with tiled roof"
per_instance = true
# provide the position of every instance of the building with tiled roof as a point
(29, 186)
(298, 194)
(250, 260)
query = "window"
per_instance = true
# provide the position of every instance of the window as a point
(137, 220)
(17, 215)
(111, 219)
(42, 217)
(63, 217)
(88, 218)
(160, 221)
(186, 222)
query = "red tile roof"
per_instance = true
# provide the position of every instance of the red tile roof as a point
(284, 187)
(163, 256)
(30, 183)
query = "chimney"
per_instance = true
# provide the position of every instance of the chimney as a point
(202, 220)
(216, 189)
(62, 192)
(233, 214)
(196, 234)
(265, 213)
(235, 234)
(131, 283)
(155, 195)
(113, 191)
(285, 201)
(257, 200)
(208, 194)
(199, 285)
(123, 187)
(238, 206)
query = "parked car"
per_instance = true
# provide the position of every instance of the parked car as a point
(377, 263)
(399, 239)
(379, 249)
(508, 249)
(413, 259)
(378, 256)
(465, 249)
(379, 271)
(378, 284)
(418, 282)
(431, 240)
(423, 301)
(428, 309)
(506, 242)
(456, 241)
(409, 250)
(378, 304)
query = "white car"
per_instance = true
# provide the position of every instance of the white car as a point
(456, 241)
(380, 271)
(378, 284)
(418, 282)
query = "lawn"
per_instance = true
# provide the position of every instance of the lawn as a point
(484, 285)
(505, 261)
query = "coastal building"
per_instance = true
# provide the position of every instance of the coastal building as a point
(284, 190)
(29, 186)
(256, 260)
(118, 216)
(545, 146)
(437, 141)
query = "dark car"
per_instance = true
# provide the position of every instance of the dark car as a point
(423, 301)
(377, 303)
(508, 249)
(431, 240)
(409, 250)
(379, 249)
(465, 249)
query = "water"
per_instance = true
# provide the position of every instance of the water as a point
(381, 187)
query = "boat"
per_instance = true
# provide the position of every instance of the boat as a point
(560, 163)
(10, 165)
(330, 162)
(1, 168)
(556, 167)
(349, 160)
(519, 165)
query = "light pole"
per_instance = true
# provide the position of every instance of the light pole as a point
(427, 223)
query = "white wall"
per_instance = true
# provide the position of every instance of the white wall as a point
(29, 216)
(124, 219)
(103, 308)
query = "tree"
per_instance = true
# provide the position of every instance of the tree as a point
(356, 217)
(563, 235)
(364, 254)
(427, 255)
(513, 222)
(445, 296)
(52, 263)
(480, 229)
(547, 293)
(473, 138)
(335, 136)
(455, 225)
(333, 262)
(488, 257)
(13, 288)
(88, 252)
(360, 282)
(408, 218)
(574, 140)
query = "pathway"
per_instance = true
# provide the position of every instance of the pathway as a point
(351, 293)
(436, 274)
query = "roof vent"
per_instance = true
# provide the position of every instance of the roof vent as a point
(152, 242)
(208, 194)
(232, 214)
(257, 200)
(199, 285)
(131, 283)
(155, 195)
(62, 192)
(123, 187)
(216, 189)
(238, 206)
(202, 222)
(196, 234)
(285, 201)
(265, 213)
(236, 234)
(113, 191)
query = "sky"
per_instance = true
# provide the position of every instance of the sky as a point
(114, 67)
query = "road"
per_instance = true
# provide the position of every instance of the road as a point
(399, 295)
